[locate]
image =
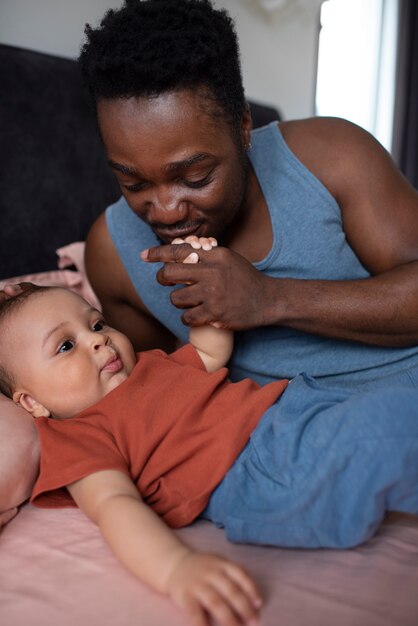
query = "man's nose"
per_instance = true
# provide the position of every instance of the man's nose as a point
(167, 207)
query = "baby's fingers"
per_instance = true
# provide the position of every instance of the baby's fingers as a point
(192, 258)
(207, 606)
(205, 243)
(239, 607)
(192, 240)
(246, 583)
(223, 609)
(197, 614)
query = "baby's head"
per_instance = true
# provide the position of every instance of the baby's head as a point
(57, 354)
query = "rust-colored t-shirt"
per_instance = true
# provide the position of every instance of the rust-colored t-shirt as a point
(171, 426)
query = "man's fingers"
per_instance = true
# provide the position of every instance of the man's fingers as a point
(175, 253)
(197, 316)
(178, 250)
(179, 273)
(186, 297)
(196, 312)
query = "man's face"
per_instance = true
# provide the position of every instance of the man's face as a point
(68, 358)
(180, 169)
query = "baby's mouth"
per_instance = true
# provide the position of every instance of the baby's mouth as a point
(113, 364)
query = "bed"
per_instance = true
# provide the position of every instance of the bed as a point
(54, 565)
(56, 569)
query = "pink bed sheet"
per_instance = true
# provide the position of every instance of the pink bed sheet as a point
(56, 569)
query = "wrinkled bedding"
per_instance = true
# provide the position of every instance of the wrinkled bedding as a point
(56, 569)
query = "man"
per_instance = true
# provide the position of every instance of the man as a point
(318, 264)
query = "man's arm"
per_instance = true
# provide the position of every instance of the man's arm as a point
(121, 305)
(379, 211)
(204, 585)
(380, 219)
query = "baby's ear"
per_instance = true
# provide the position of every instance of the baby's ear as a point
(31, 405)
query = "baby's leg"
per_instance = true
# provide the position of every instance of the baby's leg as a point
(322, 468)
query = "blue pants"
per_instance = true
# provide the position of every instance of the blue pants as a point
(322, 468)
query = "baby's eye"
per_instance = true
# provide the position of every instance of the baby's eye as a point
(66, 346)
(98, 326)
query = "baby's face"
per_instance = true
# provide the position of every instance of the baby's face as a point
(68, 357)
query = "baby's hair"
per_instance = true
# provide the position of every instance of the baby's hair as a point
(150, 47)
(7, 308)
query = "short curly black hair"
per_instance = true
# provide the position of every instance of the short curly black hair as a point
(150, 47)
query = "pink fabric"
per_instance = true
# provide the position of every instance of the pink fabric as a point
(76, 280)
(56, 569)
(19, 457)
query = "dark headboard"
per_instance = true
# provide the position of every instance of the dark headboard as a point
(54, 178)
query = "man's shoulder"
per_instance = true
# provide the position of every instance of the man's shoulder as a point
(329, 147)
(327, 130)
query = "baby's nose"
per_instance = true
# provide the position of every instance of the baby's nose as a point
(99, 340)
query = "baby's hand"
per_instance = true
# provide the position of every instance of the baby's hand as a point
(198, 243)
(210, 588)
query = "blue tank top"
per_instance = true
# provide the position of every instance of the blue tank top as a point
(308, 242)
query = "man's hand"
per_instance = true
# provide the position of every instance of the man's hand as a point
(213, 343)
(223, 289)
(210, 588)
(197, 243)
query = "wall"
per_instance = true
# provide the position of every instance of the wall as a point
(278, 49)
(54, 26)
(279, 52)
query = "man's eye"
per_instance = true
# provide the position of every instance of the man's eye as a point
(98, 326)
(135, 187)
(66, 346)
(196, 184)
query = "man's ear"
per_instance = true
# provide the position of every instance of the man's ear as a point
(31, 405)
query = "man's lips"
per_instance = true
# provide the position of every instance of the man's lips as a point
(113, 364)
(170, 233)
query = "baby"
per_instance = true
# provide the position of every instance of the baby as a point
(144, 442)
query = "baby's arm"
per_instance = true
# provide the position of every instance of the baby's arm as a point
(206, 586)
(213, 344)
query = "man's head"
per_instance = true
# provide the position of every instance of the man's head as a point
(57, 355)
(151, 47)
(166, 79)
